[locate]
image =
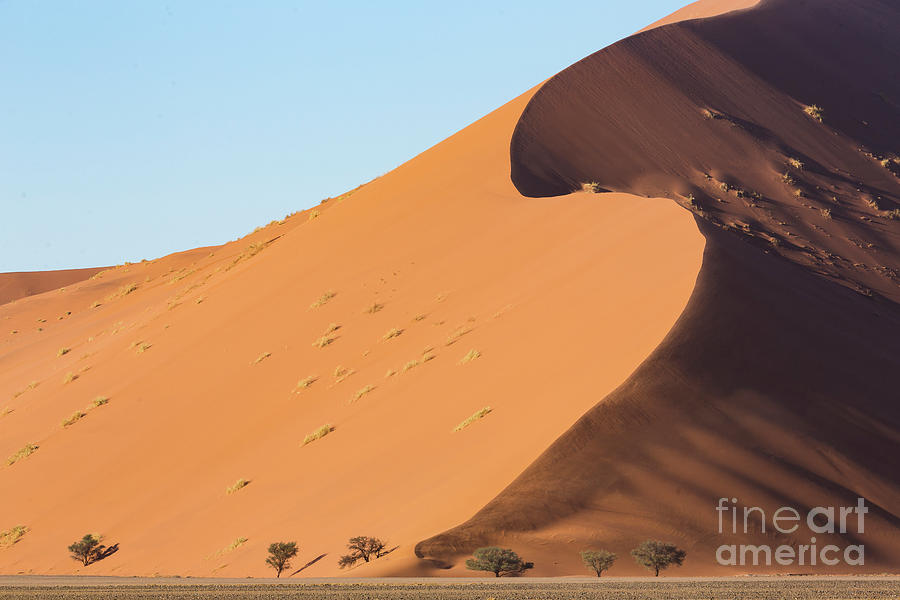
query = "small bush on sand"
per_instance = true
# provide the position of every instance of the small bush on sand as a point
(23, 452)
(362, 548)
(592, 186)
(478, 415)
(100, 401)
(374, 308)
(280, 555)
(797, 164)
(499, 561)
(894, 214)
(63, 351)
(787, 178)
(11, 536)
(69, 378)
(318, 434)
(826, 213)
(598, 560)
(656, 555)
(87, 550)
(238, 485)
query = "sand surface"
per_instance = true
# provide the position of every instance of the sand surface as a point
(641, 354)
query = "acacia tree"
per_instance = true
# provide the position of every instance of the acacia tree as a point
(656, 555)
(598, 560)
(280, 555)
(88, 549)
(498, 561)
(362, 548)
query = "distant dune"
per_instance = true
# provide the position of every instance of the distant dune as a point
(492, 355)
(19, 285)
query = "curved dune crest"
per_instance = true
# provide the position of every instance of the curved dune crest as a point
(772, 386)
(384, 318)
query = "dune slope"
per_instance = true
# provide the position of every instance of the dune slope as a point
(19, 285)
(775, 385)
(386, 316)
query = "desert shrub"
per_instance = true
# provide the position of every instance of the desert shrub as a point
(280, 555)
(70, 377)
(598, 560)
(374, 308)
(499, 561)
(797, 164)
(362, 548)
(11, 536)
(894, 214)
(457, 333)
(593, 187)
(478, 415)
(826, 213)
(63, 351)
(100, 401)
(318, 434)
(656, 555)
(470, 356)
(87, 550)
(787, 178)
(23, 452)
(238, 485)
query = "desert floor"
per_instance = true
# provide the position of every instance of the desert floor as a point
(532, 588)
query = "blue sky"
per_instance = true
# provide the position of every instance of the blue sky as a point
(130, 130)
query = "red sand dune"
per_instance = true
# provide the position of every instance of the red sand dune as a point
(19, 285)
(629, 386)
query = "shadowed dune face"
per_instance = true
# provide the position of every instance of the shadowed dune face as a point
(774, 386)
(20, 285)
(392, 314)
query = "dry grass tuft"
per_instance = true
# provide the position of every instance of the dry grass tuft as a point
(795, 163)
(374, 308)
(100, 401)
(826, 213)
(76, 416)
(237, 543)
(123, 291)
(323, 341)
(470, 356)
(143, 347)
(323, 299)
(592, 186)
(238, 485)
(69, 378)
(24, 452)
(261, 358)
(362, 392)
(305, 383)
(458, 333)
(11, 536)
(815, 112)
(478, 415)
(318, 434)
(342, 373)
(392, 333)
(63, 351)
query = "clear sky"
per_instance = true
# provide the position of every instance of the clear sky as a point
(132, 129)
